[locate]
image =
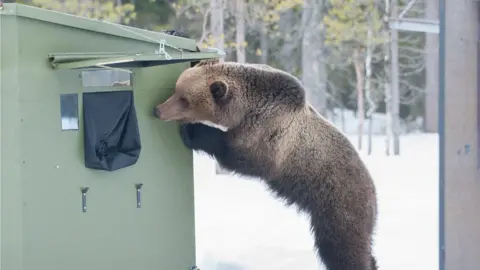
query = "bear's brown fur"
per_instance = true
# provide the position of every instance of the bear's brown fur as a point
(256, 122)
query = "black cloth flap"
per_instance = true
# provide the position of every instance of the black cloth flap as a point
(111, 134)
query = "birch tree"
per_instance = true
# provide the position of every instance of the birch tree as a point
(217, 36)
(387, 78)
(368, 83)
(314, 75)
(263, 52)
(348, 26)
(268, 19)
(358, 60)
(240, 30)
(217, 39)
(211, 15)
(395, 95)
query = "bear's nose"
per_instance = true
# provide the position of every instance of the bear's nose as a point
(155, 112)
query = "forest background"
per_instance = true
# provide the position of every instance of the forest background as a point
(344, 51)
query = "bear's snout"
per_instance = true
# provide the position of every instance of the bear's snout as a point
(171, 110)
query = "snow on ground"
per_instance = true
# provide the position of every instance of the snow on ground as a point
(240, 226)
(379, 124)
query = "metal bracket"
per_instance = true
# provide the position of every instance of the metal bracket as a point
(415, 25)
(161, 50)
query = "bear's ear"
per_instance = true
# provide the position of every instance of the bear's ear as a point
(219, 90)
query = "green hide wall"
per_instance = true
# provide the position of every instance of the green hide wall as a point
(42, 167)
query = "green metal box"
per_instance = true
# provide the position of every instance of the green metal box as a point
(49, 61)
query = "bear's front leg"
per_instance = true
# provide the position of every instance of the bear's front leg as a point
(200, 137)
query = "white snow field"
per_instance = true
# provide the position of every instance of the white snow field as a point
(241, 226)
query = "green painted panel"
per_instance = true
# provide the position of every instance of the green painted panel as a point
(11, 186)
(42, 167)
(58, 38)
(113, 233)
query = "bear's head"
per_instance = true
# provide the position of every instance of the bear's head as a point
(205, 94)
(225, 95)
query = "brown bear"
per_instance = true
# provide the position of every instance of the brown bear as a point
(254, 120)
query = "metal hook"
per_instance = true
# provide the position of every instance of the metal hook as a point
(138, 187)
(84, 198)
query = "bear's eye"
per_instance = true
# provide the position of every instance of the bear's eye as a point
(184, 101)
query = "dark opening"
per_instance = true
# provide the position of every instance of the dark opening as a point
(111, 134)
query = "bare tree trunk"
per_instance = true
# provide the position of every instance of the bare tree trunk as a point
(240, 30)
(119, 5)
(264, 43)
(78, 10)
(284, 52)
(313, 66)
(368, 85)
(388, 114)
(217, 32)
(387, 82)
(63, 6)
(360, 109)
(395, 84)
(216, 23)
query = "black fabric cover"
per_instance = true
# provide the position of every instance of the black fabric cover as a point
(111, 135)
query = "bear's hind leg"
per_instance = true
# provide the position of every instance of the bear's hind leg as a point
(341, 253)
